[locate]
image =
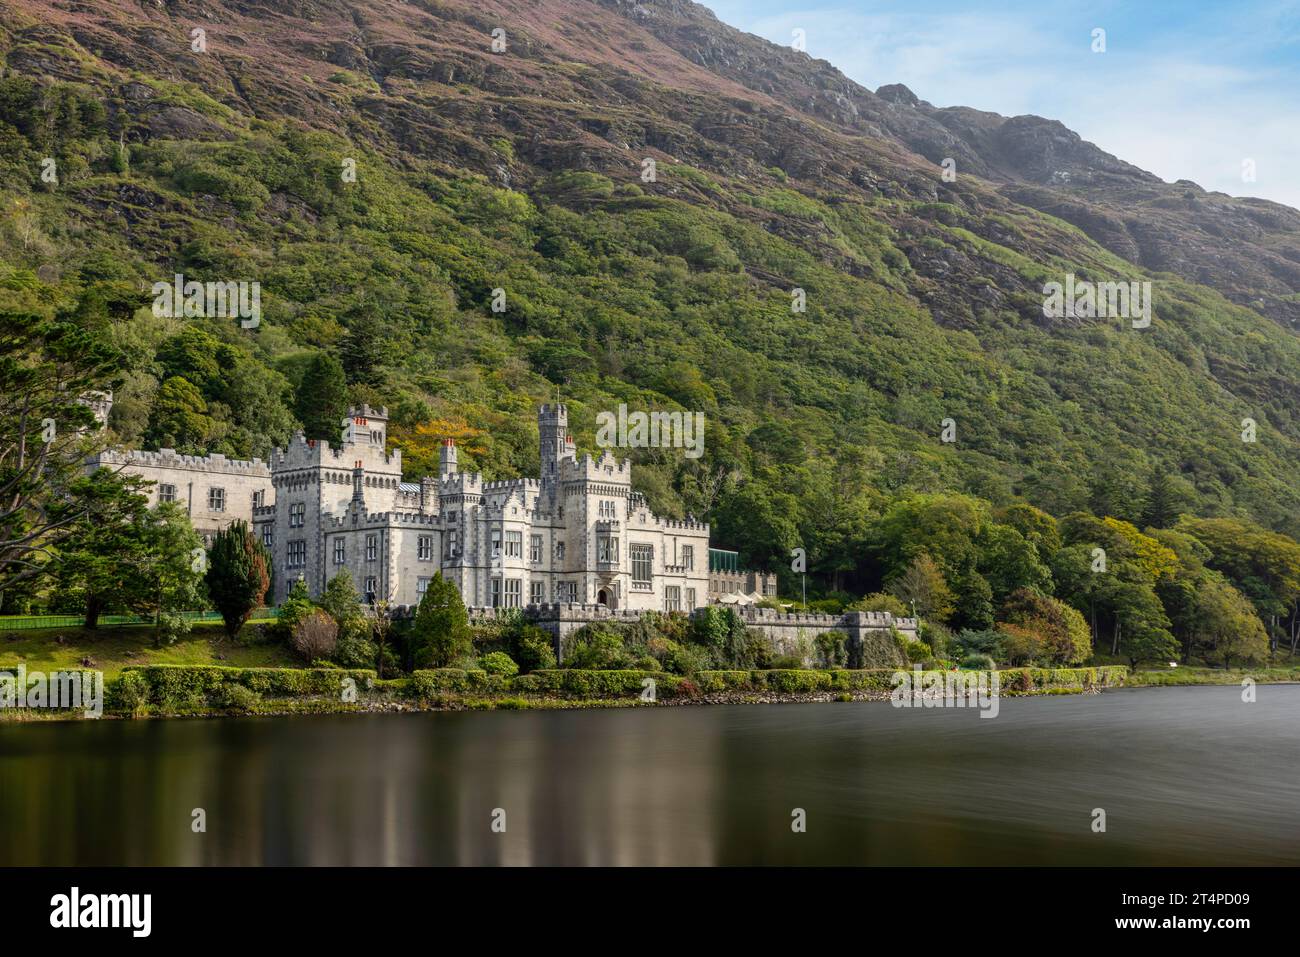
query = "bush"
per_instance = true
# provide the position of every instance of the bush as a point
(978, 662)
(315, 636)
(596, 649)
(534, 649)
(499, 663)
(234, 697)
(832, 650)
(129, 694)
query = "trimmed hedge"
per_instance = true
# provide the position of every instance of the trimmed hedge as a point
(168, 688)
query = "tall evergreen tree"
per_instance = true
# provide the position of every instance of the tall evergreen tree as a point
(322, 398)
(363, 348)
(238, 574)
(1165, 501)
(441, 631)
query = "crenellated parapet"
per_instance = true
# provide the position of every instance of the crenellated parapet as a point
(215, 463)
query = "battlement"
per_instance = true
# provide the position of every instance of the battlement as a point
(607, 469)
(509, 485)
(682, 525)
(380, 519)
(303, 452)
(171, 459)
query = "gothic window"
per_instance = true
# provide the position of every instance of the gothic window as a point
(607, 548)
(643, 558)
(672, 598)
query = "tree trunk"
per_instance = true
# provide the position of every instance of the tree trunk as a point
(93, 607)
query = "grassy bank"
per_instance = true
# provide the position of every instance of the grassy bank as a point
(1174, 677)
(197, 690)
(111, 650)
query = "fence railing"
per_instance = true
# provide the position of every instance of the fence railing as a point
(34, 622)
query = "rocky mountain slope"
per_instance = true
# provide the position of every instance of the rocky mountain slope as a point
(219, 154)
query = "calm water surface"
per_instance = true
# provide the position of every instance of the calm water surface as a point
(1185, 775)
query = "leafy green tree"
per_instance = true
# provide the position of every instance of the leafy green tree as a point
(180, 418)
(238, 574)
(101, 562)
(923, 587)
(1227, 628)
(46, 366)
(172, 555)
(441, 632)
(355, 648)
(1064, 633)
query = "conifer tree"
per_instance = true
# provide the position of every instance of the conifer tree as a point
(441, 630)
(238, 575)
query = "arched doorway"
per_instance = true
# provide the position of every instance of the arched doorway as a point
(602, 598)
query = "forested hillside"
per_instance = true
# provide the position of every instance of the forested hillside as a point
(525, 171)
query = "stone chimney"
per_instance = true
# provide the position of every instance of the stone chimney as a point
(447, 464)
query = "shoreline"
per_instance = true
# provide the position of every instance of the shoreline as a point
(173, 691)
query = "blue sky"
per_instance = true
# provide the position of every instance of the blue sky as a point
(1187, 90)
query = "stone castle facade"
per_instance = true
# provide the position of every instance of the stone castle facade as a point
(577, 533)
(574, 545)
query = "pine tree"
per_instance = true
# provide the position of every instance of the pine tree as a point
(363, 348)
(238, 575)
(1164, 501)
(322, 399)
(441, 631)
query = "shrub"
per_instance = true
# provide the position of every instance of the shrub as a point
(916, 651)
(978, 662)
(129, 694)
(315, 636)
(499, 663)
(234, 697)
(596, 649)
(534, 649)
(293, 610)
(832, 650)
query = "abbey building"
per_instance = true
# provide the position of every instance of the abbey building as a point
(576, 533)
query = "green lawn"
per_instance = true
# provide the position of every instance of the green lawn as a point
(112, 649)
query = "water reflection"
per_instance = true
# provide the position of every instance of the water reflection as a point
(1185, 775)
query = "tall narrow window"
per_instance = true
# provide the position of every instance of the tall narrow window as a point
(643, 559)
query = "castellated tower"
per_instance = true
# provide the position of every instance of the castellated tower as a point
(555, 443)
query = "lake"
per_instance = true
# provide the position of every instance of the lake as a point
(1184, 775)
